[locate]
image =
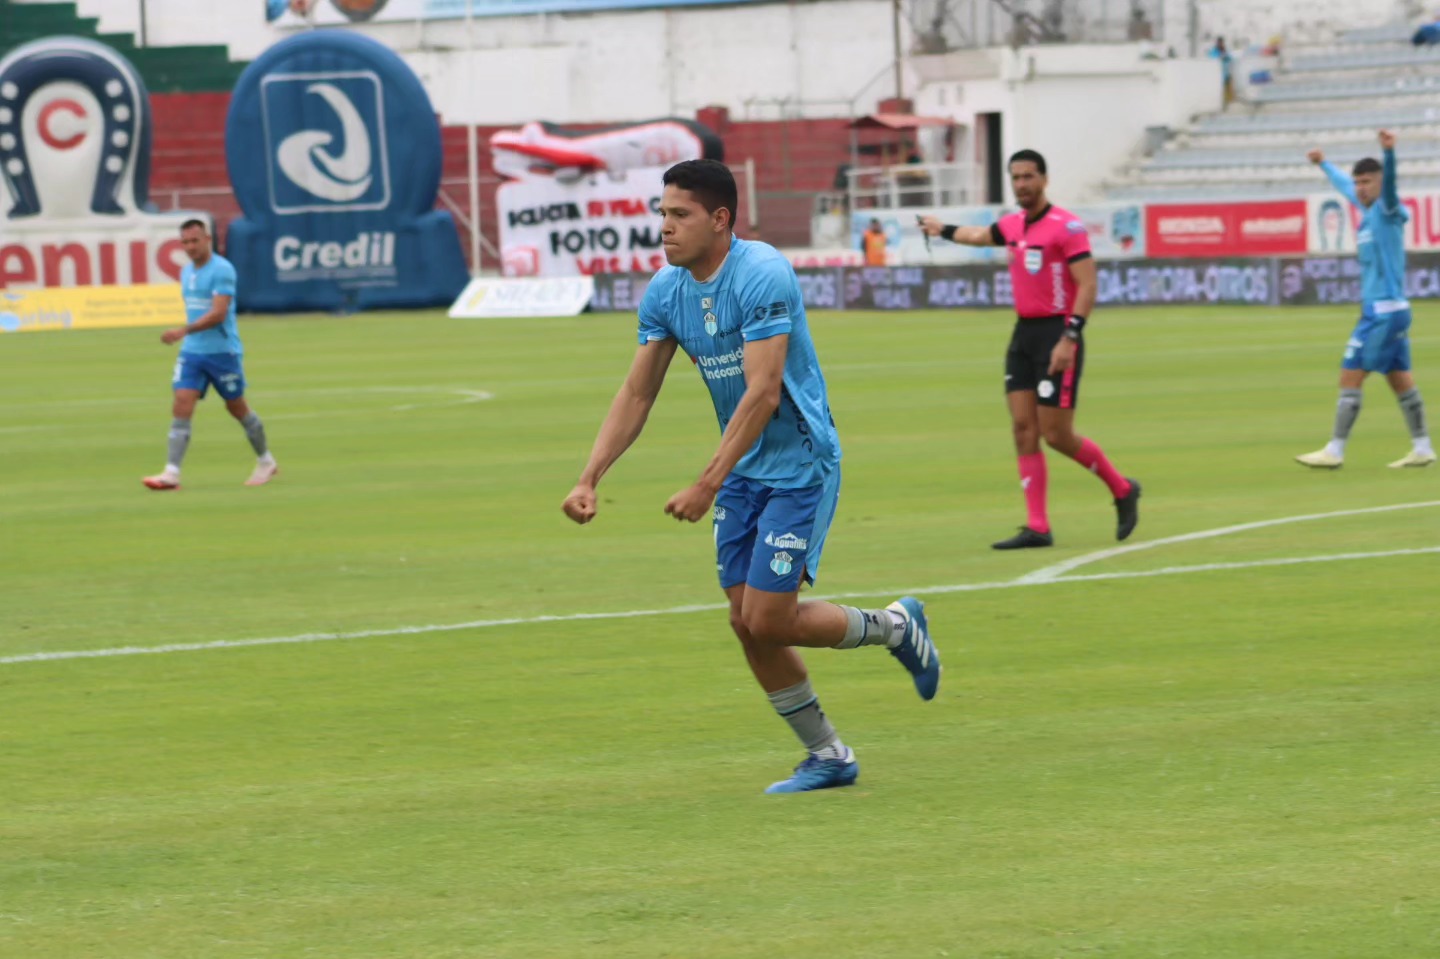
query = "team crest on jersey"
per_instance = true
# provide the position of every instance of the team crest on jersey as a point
(711, 324)
(782, 564)
(1034, 260)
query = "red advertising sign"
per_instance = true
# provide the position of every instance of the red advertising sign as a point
(1273, 228)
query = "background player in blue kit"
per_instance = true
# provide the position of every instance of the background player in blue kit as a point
(1381, 340)
(209, 355)
(734, 307)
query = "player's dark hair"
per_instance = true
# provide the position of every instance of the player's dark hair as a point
(1367, 165)
(194, 223)
(710, 181)
(1028, 156)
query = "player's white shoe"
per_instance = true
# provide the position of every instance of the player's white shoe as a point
(264, 473)
(1413, 458)
(162, 481)
(1321, 460)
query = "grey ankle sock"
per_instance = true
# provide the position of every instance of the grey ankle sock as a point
(799, 707)
(179, 442)
(870, 627)
(1413, 407)
(255, 432)
(1346, 412)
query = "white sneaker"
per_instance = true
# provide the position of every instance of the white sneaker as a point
(1413, 458)
(264, 473)
(162, 481)
(1321, 460)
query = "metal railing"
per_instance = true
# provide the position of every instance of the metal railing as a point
(912, 185)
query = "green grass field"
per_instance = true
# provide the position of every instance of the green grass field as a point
(1236, 757)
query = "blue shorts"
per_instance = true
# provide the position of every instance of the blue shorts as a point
(196, 371)
(1381, 341)
(769, 538)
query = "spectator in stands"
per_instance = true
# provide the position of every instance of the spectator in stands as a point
(1227, 67)
(874, 244)
(1427, 34)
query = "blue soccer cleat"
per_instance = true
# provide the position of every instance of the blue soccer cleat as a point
(916, 652)
(817, 773)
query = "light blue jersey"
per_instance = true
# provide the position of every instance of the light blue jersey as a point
(1380, 237)
(200, 286)
(755, 296)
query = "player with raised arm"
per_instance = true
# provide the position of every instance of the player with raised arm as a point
(209, 354)
(1380, 342)
(734, 307)
(1055, 285)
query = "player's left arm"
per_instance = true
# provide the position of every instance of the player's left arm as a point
(1389, 181)
(1087, 285)
(219, 309)
(764, 376)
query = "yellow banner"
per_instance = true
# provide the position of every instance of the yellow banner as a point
(91, 308)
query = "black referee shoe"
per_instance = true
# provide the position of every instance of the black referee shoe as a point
(1127, 511)
(1027, 538)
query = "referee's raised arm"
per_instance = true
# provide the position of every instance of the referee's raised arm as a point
(967, 235)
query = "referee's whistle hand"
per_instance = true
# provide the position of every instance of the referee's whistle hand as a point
(931, 226)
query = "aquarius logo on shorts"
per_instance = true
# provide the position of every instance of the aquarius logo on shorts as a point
(782, 563)
(785, 541)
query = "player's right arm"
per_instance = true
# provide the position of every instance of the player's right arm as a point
(628, 412)
(967, 235)
(1335, 175)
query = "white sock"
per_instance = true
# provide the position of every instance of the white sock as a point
(171, 470)
(836, 750)
(1422, 445)
(266, 459)
(897, 632)
(1336, 448)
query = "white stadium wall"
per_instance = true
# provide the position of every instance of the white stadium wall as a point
(1085, 107)
(807, 59)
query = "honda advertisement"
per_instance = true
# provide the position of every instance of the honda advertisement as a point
(75, 131)
(334, 156)
(1268, 228)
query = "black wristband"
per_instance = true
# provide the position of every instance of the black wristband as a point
(948, 232)
(1074, 322)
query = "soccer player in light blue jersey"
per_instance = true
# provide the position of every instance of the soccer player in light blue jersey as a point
(210, 354)
(734, 307)
(1381, 340)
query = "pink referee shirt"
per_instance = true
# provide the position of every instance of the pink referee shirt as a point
(1040, 256)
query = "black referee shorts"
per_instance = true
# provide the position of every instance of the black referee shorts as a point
(1027, 363)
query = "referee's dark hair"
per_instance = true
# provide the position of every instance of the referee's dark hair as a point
(1031, 156)
(712, 183)
(188, 224)
(1367, 165)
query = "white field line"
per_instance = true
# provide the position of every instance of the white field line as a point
(698, 608)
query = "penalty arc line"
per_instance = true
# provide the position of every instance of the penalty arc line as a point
(680, 610)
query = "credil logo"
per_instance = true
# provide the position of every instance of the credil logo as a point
(303, 158)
